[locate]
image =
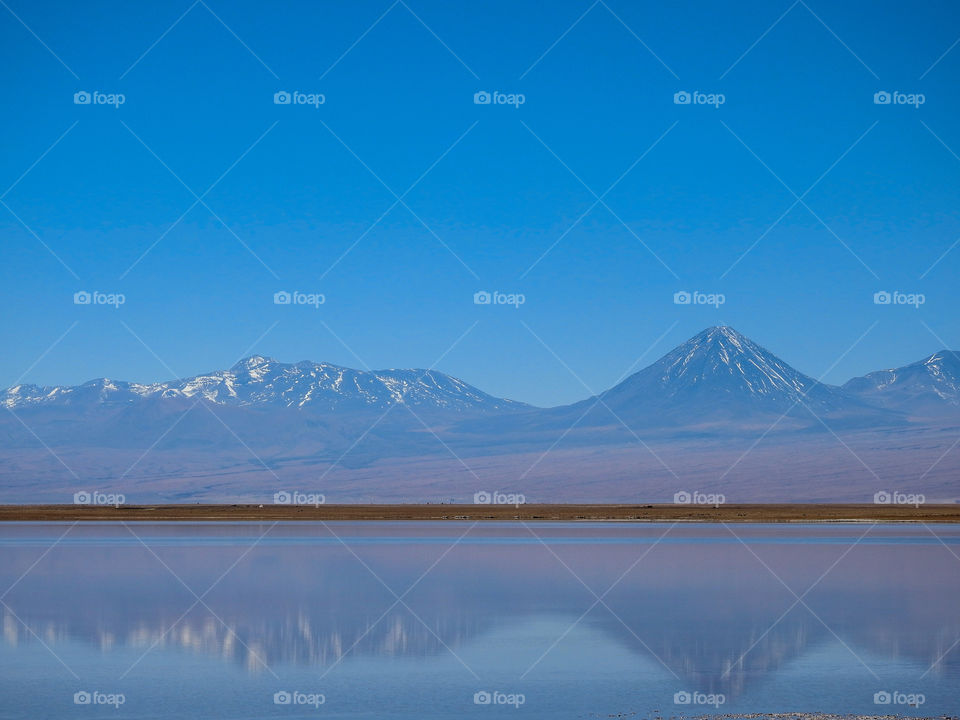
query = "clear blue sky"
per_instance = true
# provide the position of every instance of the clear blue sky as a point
(597, 99)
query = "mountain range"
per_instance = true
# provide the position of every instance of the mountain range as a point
(714, 392)
(718, 373)
(261, 381)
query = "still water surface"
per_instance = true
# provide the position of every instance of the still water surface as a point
(425, 620)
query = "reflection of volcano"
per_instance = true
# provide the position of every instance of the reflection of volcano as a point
(708, 609)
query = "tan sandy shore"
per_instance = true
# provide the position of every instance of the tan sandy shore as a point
(798, 513)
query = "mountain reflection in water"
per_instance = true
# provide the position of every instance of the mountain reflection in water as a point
(717, 612)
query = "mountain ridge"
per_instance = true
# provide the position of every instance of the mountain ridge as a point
(931, 384)
(718, 367)
(259, 380)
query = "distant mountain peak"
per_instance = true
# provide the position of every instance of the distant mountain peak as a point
(720, 375)
(720, 331)
(254, 361)
(943, 357)
(722, 360)
(931, 385)
(726, 342)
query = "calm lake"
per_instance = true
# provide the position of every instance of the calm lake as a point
(424, 620)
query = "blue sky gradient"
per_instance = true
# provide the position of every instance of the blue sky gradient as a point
(298, 190)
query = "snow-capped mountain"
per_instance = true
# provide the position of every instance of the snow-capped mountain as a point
(931, 385)
(723, 366)
(720, 378)
(259, 381)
